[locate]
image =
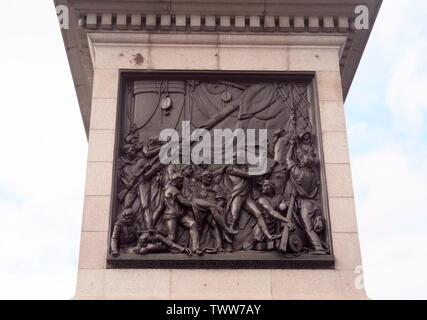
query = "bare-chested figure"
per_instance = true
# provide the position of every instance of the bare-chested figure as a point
(269, 203)
(206, 197)
(208, 203)
(240, 198)
(173, 207)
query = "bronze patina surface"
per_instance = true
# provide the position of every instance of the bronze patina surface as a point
(218, 215)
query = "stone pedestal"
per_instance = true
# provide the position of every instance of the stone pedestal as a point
(266, 43)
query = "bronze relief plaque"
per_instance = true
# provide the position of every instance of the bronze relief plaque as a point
(185, 191)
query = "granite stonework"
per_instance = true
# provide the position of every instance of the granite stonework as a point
(96, 281)
(323, 44)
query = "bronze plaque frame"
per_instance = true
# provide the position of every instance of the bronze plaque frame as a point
(224, 260)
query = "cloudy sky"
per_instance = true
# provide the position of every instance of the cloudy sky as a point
(44, 152)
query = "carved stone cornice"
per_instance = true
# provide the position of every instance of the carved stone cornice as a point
(301, 17)
(212, 23)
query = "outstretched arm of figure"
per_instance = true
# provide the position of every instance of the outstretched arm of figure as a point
(141, 167)
(265, 204)
(244, 174)
(289, 134)
(219, 171)
(126, 182)
(290, 163)
(239, 173)
(185, 202)
(150, 153)
(153, 170)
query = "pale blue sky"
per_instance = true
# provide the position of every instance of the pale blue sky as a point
(44, 151)
(386, 118)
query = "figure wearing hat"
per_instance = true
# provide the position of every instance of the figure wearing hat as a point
(304, 181)
(133, 138)
(134, 171)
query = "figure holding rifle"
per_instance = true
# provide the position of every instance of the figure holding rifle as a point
(303, 187)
